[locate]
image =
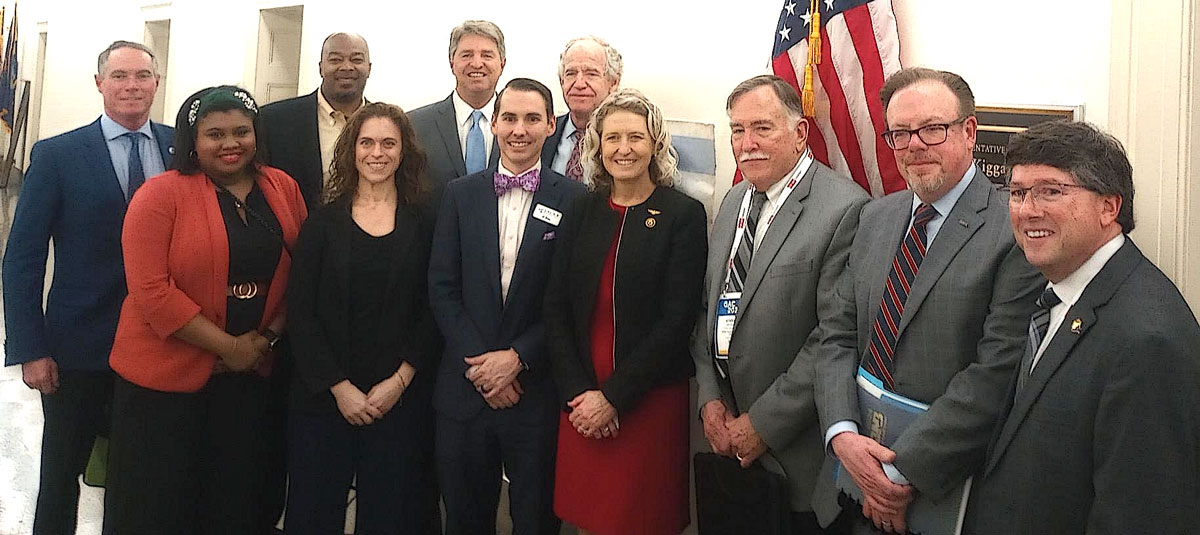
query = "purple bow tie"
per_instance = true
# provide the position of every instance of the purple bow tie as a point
(527, 181)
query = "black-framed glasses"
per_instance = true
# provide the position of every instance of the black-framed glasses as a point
(1047, 193)
(930, 134)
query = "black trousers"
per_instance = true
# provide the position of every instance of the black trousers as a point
(391, 457)
(470, 456)
(188, 463)
(74, 416)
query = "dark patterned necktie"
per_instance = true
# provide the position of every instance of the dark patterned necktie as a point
(745, 252)
(137, 175)
(575, 162)
(1039, 323)
(880, 358)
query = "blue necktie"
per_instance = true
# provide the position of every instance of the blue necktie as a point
(137, 176)
(476, 153)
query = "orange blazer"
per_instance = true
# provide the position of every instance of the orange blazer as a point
(177, 266)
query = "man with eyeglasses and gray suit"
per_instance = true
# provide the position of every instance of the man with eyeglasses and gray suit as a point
(933, 306)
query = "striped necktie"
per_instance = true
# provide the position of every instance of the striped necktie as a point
(745, 252)
(1039, 323)
(880, 358)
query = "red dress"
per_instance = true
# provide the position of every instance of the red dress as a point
(636, 483)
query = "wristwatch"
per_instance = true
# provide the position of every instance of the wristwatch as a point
(271, 336)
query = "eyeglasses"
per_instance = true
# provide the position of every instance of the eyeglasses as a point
(930, 134)
(1042, 193)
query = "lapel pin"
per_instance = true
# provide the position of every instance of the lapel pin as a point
(963, 222)
(650, 222)
(171, 149)
(653, 212)
(1076, 325)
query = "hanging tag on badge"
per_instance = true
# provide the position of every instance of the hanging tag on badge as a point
(727, 309)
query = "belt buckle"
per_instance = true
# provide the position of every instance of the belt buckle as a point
(244, 290)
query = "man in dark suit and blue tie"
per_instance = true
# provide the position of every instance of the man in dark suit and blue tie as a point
(588, 70)
(75, 193)
(1101, 432)
(455, 132)
(494, 397)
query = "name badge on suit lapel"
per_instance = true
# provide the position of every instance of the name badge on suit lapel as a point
(547, 215)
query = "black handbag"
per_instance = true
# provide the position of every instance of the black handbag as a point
(732, 500)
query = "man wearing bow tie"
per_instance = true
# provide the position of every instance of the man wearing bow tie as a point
(494, 397)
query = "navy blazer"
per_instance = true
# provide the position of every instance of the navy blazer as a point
(437, 131)
(291, 137)
(71, 195)
(464, 287)
(550, 149)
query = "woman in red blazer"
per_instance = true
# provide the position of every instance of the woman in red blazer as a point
(207, 251)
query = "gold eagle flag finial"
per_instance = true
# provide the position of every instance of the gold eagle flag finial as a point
(808, 96)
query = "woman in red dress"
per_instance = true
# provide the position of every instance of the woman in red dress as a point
(620, 305)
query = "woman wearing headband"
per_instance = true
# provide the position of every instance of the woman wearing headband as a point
(364, 339)
(207, 248)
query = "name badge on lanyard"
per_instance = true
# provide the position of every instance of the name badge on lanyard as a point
(727, 309)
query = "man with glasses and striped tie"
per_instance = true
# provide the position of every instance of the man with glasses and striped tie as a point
(1102, 430)
(778, 245)
(933, 306)
(75, 193)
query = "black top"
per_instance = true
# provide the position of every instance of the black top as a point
(370, 263)
(659, 272)
(254, 248)
(358, 306)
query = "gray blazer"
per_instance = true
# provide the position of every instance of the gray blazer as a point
(960, 337)
(437, 131)
(792, 276)
(1105, 435)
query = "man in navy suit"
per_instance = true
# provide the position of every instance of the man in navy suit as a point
(75, 193)
(588, 70)
(301, 131)
(455, 132)
(495, 397)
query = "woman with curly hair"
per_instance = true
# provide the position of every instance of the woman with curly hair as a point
(364, 339)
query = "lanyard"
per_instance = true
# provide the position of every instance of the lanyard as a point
(793, 179)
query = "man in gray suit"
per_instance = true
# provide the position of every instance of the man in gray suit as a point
(779, 243)
(1102, 433)
(456, 131)
(934, 303)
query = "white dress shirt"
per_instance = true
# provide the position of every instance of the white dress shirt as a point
(512, 211)
(1070, 288)
(775, 196)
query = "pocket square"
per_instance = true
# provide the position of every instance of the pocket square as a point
(548, 236)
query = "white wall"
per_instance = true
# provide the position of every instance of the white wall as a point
(686, 57)
(1015, 52)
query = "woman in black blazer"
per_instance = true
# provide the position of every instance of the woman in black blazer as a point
(620, 304)
(364, 339)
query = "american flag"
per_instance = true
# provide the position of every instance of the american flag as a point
(859, 48)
